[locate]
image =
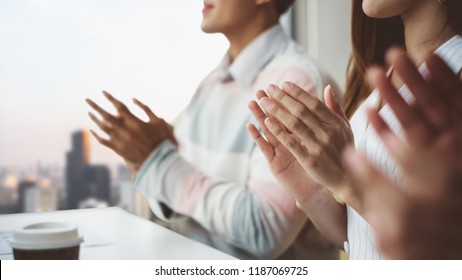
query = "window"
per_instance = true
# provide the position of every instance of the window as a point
(54, 54)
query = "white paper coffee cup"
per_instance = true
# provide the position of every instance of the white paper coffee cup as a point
(49, 241)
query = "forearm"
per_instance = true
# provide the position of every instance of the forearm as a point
(259, 216)
(327, 215)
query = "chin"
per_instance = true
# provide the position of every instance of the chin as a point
(371, 11)
(376, 10)
(208, 28)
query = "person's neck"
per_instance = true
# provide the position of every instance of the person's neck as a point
(425, 29)
(242, 36)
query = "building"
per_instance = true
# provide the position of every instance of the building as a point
(26, 189)
(36, 197)
(85, 181)
(96, 182)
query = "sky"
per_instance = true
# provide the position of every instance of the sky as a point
(54, 54)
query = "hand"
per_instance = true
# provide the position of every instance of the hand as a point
(323, 132)
(282, 163)
(323, 209)
(130, 137)
(428, 123)
(423, 218)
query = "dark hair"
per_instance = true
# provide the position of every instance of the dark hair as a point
(283, 5)
(371, 38)
(455, 14)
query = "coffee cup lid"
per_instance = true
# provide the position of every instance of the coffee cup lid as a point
(48, 235)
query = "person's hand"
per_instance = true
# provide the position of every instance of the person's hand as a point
(314, 133)
(282, 163)
(130, 137)
(431, 123)
(423, 218)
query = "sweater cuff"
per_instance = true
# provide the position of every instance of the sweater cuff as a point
(146, 180)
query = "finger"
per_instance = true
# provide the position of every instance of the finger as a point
(260, 116)
(291, 143)
(102, 141)
(447, 81)
(264, 146)
(146, 109)
(412, 161)
(131, 121)
(260, 94)
(120, 107)
(332, 102)
(311, 102)
(106, 116)
(107, 128)
(298, 111)
(392, 142)
(449, 146)
(425, 94)
(417, 131)
(289, 121)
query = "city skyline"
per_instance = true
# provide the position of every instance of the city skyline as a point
(80, 184)
(54, 54)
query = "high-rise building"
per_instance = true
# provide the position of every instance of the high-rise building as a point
(77, 159)
(26, 189)
(85, 182)
(96, 180)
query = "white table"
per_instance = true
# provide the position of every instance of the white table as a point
(113, 233)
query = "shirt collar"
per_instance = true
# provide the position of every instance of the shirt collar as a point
(255, 56)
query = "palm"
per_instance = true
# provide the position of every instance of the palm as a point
(283, 163)
(287, 170)
(284, 166)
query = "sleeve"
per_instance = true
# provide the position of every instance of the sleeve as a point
(258, 216)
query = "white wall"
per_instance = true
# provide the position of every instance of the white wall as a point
(323, 28)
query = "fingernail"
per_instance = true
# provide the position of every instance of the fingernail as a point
(372, 75)
(269, 123)
(265, 102)
(271, 88)
(287, 86)
(393, 53)
(331, 92)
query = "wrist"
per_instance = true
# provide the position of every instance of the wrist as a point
(346, 193)
(321, 196)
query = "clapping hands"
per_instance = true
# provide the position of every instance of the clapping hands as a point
(423, 218)
(130, 137)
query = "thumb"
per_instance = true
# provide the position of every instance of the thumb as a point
(332, 102)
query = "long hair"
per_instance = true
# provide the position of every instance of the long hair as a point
(370, 39)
